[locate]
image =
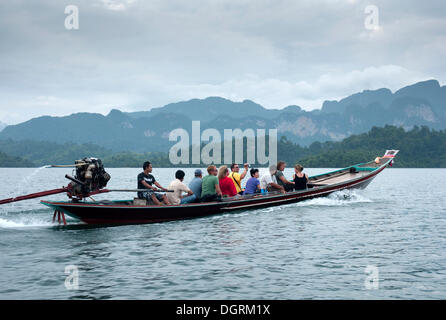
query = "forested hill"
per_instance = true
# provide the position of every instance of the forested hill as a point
(7, 161)
(420, 147)
(423, 103)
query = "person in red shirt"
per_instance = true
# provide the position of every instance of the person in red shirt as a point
(226, 184)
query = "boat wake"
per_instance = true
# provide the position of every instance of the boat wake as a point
(21, 217)
(338, 198)
(24, 223)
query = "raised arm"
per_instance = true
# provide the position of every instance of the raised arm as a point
(243, 175)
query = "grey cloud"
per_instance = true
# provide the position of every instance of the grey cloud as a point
(141, 54)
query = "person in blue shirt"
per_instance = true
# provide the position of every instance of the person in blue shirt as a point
(253, 184)
(195, 184)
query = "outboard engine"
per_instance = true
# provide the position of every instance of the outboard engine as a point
(90, 175)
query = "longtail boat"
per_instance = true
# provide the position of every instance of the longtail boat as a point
(127, 212)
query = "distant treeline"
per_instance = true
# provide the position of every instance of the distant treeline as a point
(7, 161)
(419, 147)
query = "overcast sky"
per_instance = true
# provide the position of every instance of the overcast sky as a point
(135, 55)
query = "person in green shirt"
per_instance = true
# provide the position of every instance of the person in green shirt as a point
(210, 188)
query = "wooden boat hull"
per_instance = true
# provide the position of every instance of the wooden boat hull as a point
(122, 212)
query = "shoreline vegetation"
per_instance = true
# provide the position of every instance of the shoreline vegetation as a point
(419, 147)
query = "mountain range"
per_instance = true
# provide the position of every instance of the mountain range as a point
(423, 103)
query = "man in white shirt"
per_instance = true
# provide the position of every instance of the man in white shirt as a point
(178, 187)
(268, 181)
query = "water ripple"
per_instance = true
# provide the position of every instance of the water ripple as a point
(315, 249)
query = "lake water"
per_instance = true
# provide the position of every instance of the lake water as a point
(385, 242)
